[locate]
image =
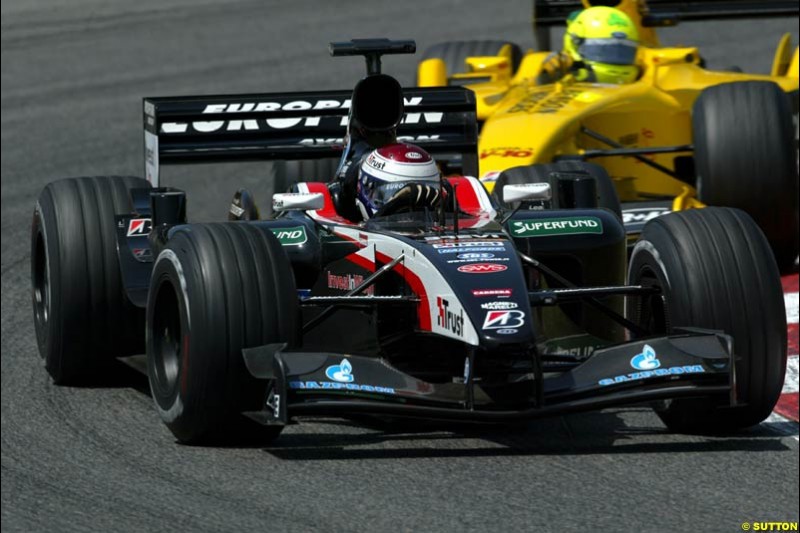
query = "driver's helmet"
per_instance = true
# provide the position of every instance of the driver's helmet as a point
(606, 41)
(388, 169)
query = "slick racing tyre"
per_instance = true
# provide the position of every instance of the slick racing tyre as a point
(455, 53)
(81, 313)
(541, 173)
(745, 157)
(216, 289)
(715, 270)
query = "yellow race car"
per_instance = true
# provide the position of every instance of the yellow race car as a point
(680, 136)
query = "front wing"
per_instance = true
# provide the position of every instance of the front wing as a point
(697, 363)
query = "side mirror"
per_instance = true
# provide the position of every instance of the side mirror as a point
(297, 201)
(526, 191)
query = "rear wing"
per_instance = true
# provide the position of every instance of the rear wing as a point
(303, 125)
(659, 13)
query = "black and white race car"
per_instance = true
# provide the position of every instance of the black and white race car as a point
(469, 312)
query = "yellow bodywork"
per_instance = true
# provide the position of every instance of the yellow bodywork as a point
(526, 123)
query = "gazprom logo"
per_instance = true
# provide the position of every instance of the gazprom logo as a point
(647, 360)
(343, 372)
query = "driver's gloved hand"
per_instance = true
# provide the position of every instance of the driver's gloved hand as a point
(412, 197)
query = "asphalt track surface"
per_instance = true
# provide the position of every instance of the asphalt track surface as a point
(99, 459)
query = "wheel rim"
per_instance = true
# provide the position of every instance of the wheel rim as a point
(167, 340)
(651, 311)
(41, 284)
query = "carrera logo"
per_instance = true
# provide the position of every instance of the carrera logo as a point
(448, 319)
(482, 268)
(483, 293)
(504, 320)
(139, 227)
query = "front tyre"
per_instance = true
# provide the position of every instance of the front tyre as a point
(215, 289)
(745, 157)
(716, 271)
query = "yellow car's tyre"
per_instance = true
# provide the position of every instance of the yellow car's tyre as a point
(216, 289)
(81, 314)
(454, 53)
(543, 173)
(715, 270)
(745, 157)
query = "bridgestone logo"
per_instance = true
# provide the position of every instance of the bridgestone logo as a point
(546, 227)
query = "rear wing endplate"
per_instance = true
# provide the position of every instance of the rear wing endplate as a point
(303, 125)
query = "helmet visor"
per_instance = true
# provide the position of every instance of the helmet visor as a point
(610, 51)
(375, 192)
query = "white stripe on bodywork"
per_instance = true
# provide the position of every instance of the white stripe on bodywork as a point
(483, 198)
(433, 281)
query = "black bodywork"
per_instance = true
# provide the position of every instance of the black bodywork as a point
(542, 333)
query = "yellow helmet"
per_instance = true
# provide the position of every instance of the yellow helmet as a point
(605, 40)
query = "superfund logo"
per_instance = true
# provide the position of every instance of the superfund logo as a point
(447, 319)
(290, 236)
(544, 227)
(482, 268)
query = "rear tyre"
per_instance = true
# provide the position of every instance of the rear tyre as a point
(745, 158)
(81, 313)
(216, 289)
(455, 53)
(716, 272)
(606, 193)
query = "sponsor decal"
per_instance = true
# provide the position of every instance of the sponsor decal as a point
(646, 360)
(545, 101)
(473, 255)
(139, 227)
(504, 320)
(451, 261)
(331, 385)
(659, 372)
(347, 282)
(643, 214)
(343, 372)
(342, 379)
(413, 155)
(469, 244)
(290, 236)
(499, 305)
(499, 293)
(507, 152)
(374, 163)
(545, 227)
(142, 253)
(650, 367)
(507, 331)
(462, 249)
(482, 268)
(210, 126)
(629, 139)
(448, 319)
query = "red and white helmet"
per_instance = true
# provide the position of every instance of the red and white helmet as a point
(388, 169)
